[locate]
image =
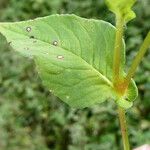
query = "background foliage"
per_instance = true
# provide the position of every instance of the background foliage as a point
(31, 118)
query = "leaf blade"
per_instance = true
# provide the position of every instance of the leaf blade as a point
(70, 45)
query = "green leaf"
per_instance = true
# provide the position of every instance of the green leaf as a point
(73, 56)
(122, 8)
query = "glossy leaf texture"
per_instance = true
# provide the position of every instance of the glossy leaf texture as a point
(122, 8)
(73, 56)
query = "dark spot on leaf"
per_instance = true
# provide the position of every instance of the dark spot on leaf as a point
(9, 43)
(32, 37)
(28, 29)
(55, 43)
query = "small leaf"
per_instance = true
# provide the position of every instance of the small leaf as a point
(122, 8)
(73, 56)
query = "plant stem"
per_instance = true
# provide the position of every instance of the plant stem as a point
(144, 47)
(117, 78)
(117, 48)
(123, 124)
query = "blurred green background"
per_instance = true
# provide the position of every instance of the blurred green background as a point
(31, 118)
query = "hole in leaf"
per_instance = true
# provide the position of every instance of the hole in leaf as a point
(28, 29)
(55, 43)
(60, 57)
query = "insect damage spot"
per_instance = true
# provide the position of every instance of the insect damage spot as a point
(60, 57)
(55, 43)
(28, 29)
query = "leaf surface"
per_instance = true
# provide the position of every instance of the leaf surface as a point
(73, 55)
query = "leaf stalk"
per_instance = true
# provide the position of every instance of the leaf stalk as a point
(138, 58)
(117, 48)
